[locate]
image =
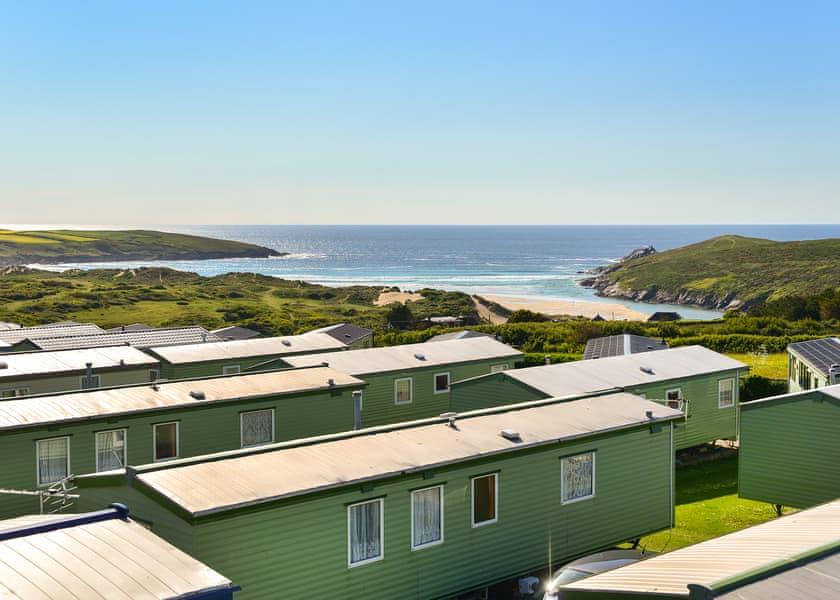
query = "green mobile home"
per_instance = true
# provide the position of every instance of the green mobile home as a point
(412, 381)
(422, 511)
(237, 356)
(794, 557)
(789, 448)
(813, 364)
(701, 383)
(44, 439)
(25, 374)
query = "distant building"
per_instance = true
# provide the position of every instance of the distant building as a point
(447, 321)
(458, 335)
(658, 317)
(796, 556)
(813, 364)
(101, 554)
(86, 335)
(621, 345)
(353, 336)
(235, 332)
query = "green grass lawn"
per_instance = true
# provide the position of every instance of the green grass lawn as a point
(772, 366)
(708, 506)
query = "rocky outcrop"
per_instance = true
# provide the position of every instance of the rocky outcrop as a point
(607, 287)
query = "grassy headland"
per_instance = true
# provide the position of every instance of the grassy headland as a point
(49, 247)
(725, 272)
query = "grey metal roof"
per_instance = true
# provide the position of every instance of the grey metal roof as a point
(623, 371)
(408, 356)
(291, 344)
(821, 354)
(20, 364)
(111, 559)
(726, 565)
(621, 345)
(458, 335)
(206, 487)
(344, 332)
(131, 327)
(235, 332)
(13, 336)
(41, 410)
(147, 338)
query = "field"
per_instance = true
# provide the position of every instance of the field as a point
(772, 366)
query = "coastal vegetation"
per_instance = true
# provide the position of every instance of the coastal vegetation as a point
(49, 247)
(733, 272)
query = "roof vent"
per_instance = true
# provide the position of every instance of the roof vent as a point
(331, 382)
(451, 416)
(649, 414)
(286, 342)
(4, 364)
(197, 394)
(155, 386)
(510, 434)
(647, 370)
(122, 362)
(419, 356)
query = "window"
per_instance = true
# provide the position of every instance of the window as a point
(14, 393)
(364, 532)
(726, 393)
(110, 450)
(426, 517)
(53, 458)
(402, 390)
(441, 383)
(256, 427)
(497, 368)
(94, 382)
(154, 374)
(674, 399)
(166, 441)
(230, 370)
(484, 499)
(577, 477)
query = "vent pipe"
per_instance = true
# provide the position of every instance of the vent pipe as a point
(89, 375)
(548, 359)
(357, 409)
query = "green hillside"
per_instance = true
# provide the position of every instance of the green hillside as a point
(726, 272)
(23, 247)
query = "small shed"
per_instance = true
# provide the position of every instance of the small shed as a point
(99, 555)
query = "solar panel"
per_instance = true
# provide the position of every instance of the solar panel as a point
(820, 353)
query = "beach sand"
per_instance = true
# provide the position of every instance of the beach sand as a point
(389, 297)
(608, 310)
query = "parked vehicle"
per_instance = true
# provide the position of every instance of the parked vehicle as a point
(590, 565)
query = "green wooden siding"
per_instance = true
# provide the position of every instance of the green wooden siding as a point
(789, 450)
(202, 430)
(215, 368)
(46, 384)
(297, 548)
(379, 407)
(495, 390)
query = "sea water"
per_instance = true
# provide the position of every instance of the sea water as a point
(539, 262)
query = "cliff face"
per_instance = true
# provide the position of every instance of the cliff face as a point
(610, 287)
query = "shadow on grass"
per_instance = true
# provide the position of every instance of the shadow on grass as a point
(707, 480)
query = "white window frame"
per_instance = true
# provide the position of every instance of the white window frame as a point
(680, 400)
(231, 370)
(177, 441)
(414, 545)
(381, 555)
(499, 367)
(434, 382)
(16, 392)
(96, 379)
(495, 518)
(124, 448)
(242, 427)
(38, 459)
(563, 461)
(731, 382)
(397, 382)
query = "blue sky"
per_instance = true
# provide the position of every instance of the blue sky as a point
(419, 112)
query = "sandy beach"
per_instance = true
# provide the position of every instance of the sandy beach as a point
(608, 310)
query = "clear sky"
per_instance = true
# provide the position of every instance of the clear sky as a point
(427, 111)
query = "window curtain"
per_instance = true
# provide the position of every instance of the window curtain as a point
(365, 534)
(110, 450)
(52, 461)
(427, 512)
(577, 477)
(257, 428)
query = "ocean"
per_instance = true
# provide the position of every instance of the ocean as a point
(539, 262)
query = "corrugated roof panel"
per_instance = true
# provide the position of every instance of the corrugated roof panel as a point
(43, 363)
(39, 410)
(142, 339)
(408, 356)
(307, 342)
(196, 487)
(564, 379)
(49, 331)
(728, 557)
